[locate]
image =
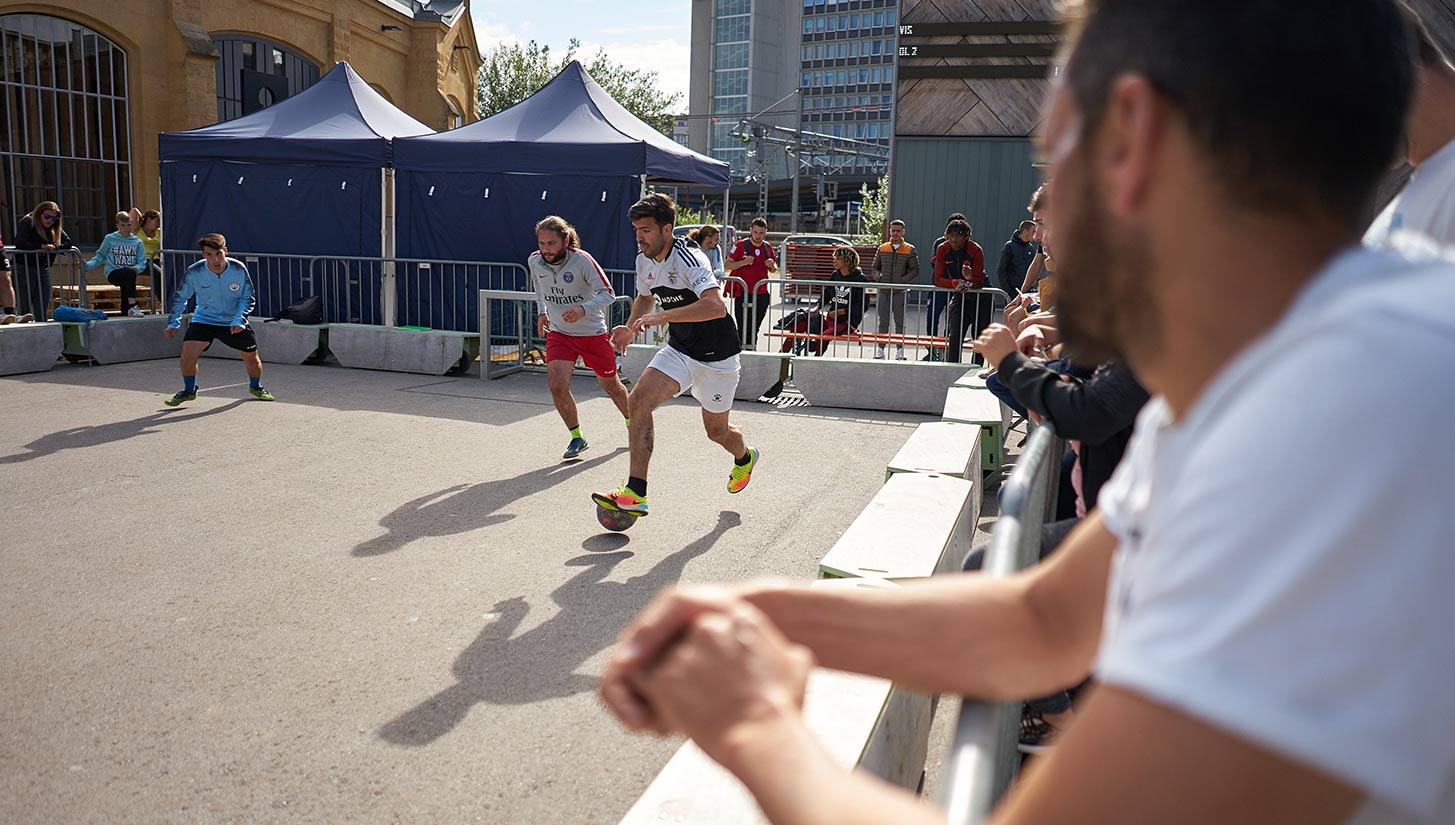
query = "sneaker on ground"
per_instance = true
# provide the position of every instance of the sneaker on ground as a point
(135, 312)
(740, 476)
(7, 318)
(180, 398)
(27, 318)
(575, 448)
(261, 394)
(622, 499)
(879, 353)
(1035, 734)
(899, 353)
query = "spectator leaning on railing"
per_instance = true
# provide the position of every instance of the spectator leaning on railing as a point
(896, 262)
(7, 291)
(40, 230)
(960, 265)
(1266, 616)
(938, 300)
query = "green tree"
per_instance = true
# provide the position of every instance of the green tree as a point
(513, 72)
(874, 208)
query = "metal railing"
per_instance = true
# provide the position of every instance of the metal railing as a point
(46, 278)
(911, 322)
(279, 280)
(983, 757)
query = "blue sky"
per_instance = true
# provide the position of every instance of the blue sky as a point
(653, 36)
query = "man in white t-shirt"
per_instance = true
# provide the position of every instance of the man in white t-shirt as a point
(1262, 595)
(1420, 221)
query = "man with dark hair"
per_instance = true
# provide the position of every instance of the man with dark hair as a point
(960, 265)
(752, 260)
(1015, 259)
(938, 300)
(1420, 221)
(1255, 661)
(701, 355)
(225, 298)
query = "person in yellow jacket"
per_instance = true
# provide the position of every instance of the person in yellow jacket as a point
(896, 262)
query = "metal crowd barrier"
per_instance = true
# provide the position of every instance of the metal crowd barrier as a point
(279, 280)
(788, 323)
(983, 757)
(46, 278)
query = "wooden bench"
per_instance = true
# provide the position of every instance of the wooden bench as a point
(104, 297)
(971, 379)
(967, 405)
(939, 448)
(915, 526)
(861, 721)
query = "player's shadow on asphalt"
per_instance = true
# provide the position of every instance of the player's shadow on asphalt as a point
(466, 507)
(502, 668)
(97, 435)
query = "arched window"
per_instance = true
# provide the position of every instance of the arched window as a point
(65, 129)
(254, 73)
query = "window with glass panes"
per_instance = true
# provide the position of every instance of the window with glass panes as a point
(65, 129)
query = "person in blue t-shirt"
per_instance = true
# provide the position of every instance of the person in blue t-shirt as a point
(125, 257)
(224, 294)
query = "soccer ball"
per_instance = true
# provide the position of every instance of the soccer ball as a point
(615, 520)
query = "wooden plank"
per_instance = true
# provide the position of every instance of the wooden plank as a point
(967, 405)
(978, 29)
(1030, 71)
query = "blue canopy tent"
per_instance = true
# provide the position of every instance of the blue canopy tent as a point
(304, 177)
(475, 193)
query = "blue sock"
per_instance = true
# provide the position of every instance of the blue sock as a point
(189, 384)
(255, 383)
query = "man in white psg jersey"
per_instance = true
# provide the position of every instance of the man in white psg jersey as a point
(572, 296)
(701, 355)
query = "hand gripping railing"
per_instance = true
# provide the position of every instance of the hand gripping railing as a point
(983, 757)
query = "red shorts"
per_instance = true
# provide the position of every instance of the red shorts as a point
(594, 350)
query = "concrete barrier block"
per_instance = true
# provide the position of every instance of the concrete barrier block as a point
(120, 340)
(941, 448)
(760, 371)
(859, 384)
(966, 405)
(426, 352)
(280, 342)
(861, 721)
(915, 526)
(635, 360)
(30, 347)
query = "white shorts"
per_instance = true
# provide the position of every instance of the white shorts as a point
(712, 383)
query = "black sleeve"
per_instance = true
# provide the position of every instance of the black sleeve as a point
(1002, 269)
(26, 237)
(66, 241)
(1092, 411)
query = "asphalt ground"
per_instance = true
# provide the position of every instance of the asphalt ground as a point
(381, 598)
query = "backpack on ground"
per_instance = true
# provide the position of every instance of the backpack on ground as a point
(307, 311)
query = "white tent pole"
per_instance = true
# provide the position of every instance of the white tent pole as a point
(387, 201)
(726, 195)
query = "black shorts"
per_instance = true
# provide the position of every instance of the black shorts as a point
(243, 341)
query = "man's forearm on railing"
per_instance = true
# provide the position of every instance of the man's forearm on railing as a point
(963, 634)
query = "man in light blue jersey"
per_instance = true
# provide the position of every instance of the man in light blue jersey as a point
(224, 294)
(572, 295)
